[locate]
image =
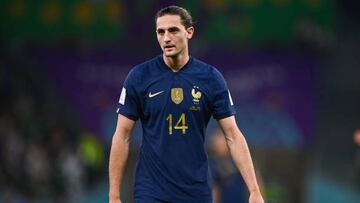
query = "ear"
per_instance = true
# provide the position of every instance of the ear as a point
(190, 31)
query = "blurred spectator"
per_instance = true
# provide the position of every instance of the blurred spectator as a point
(40, 152)
(357, 157)
(72, 171)
(38, 169)
(92, 155)
(228, 185)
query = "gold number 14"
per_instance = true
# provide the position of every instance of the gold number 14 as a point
(180, 124)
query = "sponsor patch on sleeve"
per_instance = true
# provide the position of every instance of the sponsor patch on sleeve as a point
(231, 101)
(122, 96)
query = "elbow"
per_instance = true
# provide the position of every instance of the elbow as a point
(232, 134)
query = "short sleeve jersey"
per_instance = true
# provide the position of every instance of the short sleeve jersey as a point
(174, 109)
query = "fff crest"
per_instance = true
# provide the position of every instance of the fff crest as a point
(195, 92)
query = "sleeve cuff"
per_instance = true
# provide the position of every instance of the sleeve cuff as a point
(224, 115)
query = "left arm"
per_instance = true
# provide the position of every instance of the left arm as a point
(240, 154)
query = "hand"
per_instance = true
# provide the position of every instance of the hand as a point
(255, 197)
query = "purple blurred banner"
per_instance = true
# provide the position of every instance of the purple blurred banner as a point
(273, 90)
(274, 94)
(90, 81)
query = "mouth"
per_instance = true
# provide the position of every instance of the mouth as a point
(169, 46)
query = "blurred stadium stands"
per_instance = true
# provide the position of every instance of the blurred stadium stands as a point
(293, 67)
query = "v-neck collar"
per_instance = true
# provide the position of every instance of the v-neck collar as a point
(185, 67)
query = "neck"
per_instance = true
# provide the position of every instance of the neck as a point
(176, 63)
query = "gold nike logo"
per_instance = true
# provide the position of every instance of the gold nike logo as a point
(155, 94)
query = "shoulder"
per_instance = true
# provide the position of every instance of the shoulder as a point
(215, 80)
(211, 70)
(201, 65)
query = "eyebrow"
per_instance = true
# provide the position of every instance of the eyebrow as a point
(174, 28)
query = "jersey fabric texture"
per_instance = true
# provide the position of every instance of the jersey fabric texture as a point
(174, 109)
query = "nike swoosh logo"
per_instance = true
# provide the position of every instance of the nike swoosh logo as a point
(155, 94)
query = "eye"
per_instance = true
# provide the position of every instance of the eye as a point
(173, 30)
(160, 31)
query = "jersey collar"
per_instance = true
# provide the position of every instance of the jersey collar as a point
(164, 66)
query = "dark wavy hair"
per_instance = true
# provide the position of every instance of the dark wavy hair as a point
(185, 16)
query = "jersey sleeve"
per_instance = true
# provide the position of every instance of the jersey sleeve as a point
(222, 104)
(128, 104)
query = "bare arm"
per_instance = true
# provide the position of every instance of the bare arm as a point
(118, 156)
(240, 153)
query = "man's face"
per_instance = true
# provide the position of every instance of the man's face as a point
(172, 35)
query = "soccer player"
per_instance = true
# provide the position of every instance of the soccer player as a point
(174, 95)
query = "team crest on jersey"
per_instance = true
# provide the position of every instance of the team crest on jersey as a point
(177, 95)
(195, 92)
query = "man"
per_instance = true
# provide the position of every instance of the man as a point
(174, 95)
(228, 186)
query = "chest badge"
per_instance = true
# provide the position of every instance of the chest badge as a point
(195, 92)
(177, 95)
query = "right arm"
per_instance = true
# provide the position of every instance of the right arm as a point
(118, 156)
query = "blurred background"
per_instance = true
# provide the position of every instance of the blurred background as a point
(292, 66)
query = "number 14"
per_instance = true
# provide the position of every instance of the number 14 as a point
(182, 121)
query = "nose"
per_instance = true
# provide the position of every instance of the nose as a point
(166, 37)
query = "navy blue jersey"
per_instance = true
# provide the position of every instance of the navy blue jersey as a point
(174, 109)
